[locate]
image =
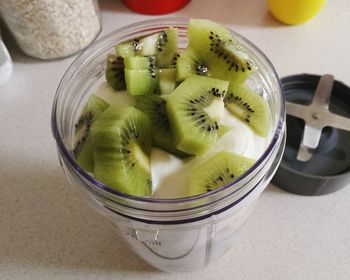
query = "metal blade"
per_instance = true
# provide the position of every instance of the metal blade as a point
(310, 141)
(311, 136)
(304, 153)
(323, 90)
(338, 121)
(296, 110)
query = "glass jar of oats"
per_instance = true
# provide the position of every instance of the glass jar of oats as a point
(48, 29)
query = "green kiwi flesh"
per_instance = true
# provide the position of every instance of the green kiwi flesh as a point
(217, 171)
(188, 63)
(121, 149)
(215, 46)
(167, 48)
(155, 107)
(149, 81)
(83, 149)
(145, 46)
(163, 45)
(143, 60)
(193, 129)
(115, 72)
(141, 82)
(167, 80)
(140, 62)
(249, 106)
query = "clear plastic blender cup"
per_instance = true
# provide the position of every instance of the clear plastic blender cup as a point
(171, 234)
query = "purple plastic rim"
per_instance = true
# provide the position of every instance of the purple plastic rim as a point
(191, 220)
(70, 160)
(96, 194)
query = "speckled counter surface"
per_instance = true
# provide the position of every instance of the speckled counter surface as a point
(48, 232)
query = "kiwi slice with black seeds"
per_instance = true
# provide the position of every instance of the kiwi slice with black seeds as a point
(115, 72)
(148, 64)
(121, 138)
(220, 52)
(83, 149)
(162, 44)
(249, 106)
(167, 48)
(142, 81)
(194, 110)
(140, 62)
(217, 171)
(149, 81)
(155, 107)
(145, 46)
(188, 63)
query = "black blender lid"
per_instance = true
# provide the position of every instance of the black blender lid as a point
(316, 160)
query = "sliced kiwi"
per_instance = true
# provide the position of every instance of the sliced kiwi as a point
(220, 52)
(115, 72)
(167, 80)
(155, 107)
(145, 46)
(148, 81)
(167, 48)
(163, 45)
(194, 110)
(83, 151)
(188, 63)
(140, 62)
(217, 171)
(121, 139)
(249, 106)
(141, 82)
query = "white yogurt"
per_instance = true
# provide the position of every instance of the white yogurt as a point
(170, 175)
(113, 97)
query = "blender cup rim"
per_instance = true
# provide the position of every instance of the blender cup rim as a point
(181, 22)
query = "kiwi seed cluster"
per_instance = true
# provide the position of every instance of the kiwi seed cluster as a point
(196, 112)
(218, 47)
(222, 178)
(85, 121)
(239, 101)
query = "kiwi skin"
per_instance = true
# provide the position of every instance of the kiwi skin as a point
(115, 76)
(83, 148)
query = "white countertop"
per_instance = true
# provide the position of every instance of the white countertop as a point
(48, 232)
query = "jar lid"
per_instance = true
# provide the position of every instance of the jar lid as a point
(316, 159)
(155, 7)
